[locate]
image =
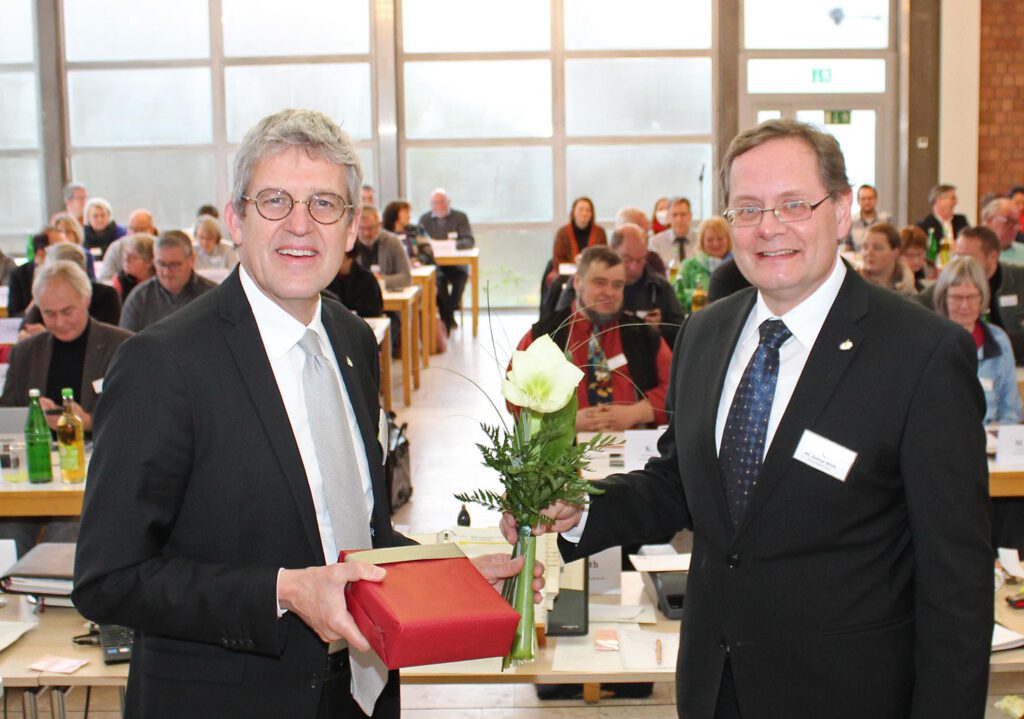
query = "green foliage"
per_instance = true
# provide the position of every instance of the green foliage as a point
(535, 470)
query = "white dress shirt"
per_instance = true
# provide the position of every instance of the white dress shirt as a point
(805, 322)
(281, 334)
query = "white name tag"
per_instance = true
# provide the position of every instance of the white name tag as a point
(987, 383)
(617, 361)
(97, 385)
(1007, 300)
(1010, 445)
(825, 455)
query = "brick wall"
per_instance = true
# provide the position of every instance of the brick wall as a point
(1001, 125)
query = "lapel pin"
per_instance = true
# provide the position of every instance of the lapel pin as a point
(846, 345)
(348, 361)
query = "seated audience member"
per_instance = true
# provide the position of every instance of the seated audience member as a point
(7, 265)
(381, 252)
(137, 264)
(75, 234)
(942, 219)
(212, 251)
(74, 352)
(1005, 284)
(396, 218)
(104, 304)
(865, 218)
(714, 246)
(367, 195)
(636, 216)
(914, 252)
(880, 253)
(1002, 217)
(961, 294)
(174, 286)
(445, 223)
(357, 288)
(626, 362)
(19, 295)
(75, 196)
(208, 210)
(675, 243)
(100, 228)
(140, 222)
(581, 232)
(659, 217)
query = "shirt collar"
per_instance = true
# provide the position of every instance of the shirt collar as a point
(806, 319)
(279, 330)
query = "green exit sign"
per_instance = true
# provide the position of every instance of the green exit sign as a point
(837, 117)
(821, 75)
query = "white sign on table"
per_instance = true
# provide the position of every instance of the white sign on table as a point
(1010, 445)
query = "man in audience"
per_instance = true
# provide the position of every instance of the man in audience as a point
(236, 453)
(867, 199)
(75, 196)
(1017, 195)
(634, 215)
(381, 251)
(1006, 284)
(140, 222)
(445, 223)
(74, 352)
(175, 285)
(357, 289)
(942, 219)
(788, 457)
(19, 295)
(675, 243)
(626, 362)
(1001, 216)
(367, 196)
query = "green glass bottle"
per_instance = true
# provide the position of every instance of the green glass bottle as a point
(933, 246)
(37, 442)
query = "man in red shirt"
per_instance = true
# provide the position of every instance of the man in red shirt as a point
(625, 361)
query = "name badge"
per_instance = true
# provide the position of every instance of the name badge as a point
(97, 385)
(825, 455)
(987, 383)
(617, 361)
(1007, 300)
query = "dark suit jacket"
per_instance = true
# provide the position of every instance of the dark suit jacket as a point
(19, 293)
(869, 597)
(30, 364)
(197, 496)
(931, 222)
(726, 280)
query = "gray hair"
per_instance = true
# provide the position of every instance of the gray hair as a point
(938, 190)
(66, 219)
(102, 203)
(68, 271)
(174, 238)
(959, 271)
(994, 207)
(209, 223)
(141, 244)
(831, 163)
(310, 130)
(71, 188)
(65, 252)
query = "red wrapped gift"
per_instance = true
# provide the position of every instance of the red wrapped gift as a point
(432, 607)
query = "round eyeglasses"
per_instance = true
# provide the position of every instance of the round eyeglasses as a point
(274, 204)
(793, 211)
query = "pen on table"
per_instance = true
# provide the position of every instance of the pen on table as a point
(657, 650)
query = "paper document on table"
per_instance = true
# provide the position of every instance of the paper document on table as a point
(10, 632)
(577, 654)
(9, 330)
(641, 651)
(632, 613)
(573, 575)
(660, 562)
(641, 445)
(1010, 559)
(1003, 638)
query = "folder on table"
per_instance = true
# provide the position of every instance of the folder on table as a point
(46, 570)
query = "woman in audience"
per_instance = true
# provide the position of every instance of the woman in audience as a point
(962, 294)
(137, 264)
(212, 252)
(914, 251)
(659, 218)
(581, 232)
(714, 246)
(100, 228)
(880, 254)
(72, 229)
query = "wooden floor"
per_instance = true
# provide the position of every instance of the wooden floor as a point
(443, 427)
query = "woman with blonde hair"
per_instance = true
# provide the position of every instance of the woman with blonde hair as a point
(714, 246)
(212, 252)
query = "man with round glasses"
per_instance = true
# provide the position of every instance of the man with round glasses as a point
(826, 448)
(237, 451)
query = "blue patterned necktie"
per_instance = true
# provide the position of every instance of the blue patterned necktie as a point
(746, 427)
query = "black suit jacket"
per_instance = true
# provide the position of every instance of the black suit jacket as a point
(19, 293)
(931, 222)
(197, 496)
(869, 597)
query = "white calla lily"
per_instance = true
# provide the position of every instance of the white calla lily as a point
(541, 380)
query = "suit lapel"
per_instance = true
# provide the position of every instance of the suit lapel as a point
(246, 347)
(95, 353)
(833, 351)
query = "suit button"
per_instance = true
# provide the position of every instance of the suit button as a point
(314, 681)
(733, 561)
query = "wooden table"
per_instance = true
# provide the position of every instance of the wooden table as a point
(425, 277)
(471, 258)
(1005, 481)
(54, 499)
(406, 303)
(381, 327)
